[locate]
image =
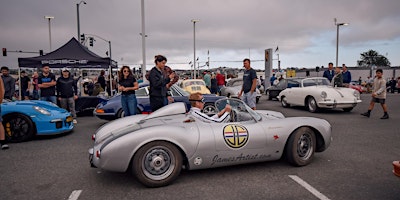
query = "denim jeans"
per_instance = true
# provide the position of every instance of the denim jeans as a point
(52, 99)
(129, 104)
(69, 103)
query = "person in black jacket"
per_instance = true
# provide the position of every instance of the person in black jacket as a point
(158, 83)
(67, 92)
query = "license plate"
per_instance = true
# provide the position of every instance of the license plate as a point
(69, 119)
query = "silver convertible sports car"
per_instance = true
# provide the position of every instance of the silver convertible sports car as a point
(157, 146)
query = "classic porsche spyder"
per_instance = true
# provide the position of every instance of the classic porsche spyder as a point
(22, 120)
(317, 93)
(155, 147)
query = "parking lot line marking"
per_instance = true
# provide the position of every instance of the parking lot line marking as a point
(310, 188)
(74, 195)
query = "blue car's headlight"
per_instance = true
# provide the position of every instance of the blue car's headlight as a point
(41, 110)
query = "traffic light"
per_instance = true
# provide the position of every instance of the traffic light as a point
(4, 52)
(41, 52)
(82, 38)
(91, 41)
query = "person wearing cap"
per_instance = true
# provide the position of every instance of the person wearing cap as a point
(47, 85)
(25, 85)
(67, 92)
(197, 103)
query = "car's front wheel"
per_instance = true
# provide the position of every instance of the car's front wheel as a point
(18, 127)
(157, 164)
(300, 147)
(284, 102)
(312, 105)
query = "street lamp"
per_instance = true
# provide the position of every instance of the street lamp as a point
(194, 45)
(49, 18)
(77, 14)
(337, 38)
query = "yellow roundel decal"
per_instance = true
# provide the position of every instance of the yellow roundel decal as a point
(235, 136)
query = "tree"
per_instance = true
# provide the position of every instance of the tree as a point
(372, 58)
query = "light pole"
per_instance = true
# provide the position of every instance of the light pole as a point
(194, 45)
(77, 17)
(143, 34)
(337, 38)
(49, 18)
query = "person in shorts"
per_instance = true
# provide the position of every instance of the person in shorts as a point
(249, 85)
(378, 95)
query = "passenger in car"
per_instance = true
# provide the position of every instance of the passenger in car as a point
(197, 103)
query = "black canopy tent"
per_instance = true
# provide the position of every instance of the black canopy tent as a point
(72, 54)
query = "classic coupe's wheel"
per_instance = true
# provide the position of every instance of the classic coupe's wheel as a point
(209, 109)
(312, 105)
(284, 102)
(157, 164)
(18, 127)
(300, 147)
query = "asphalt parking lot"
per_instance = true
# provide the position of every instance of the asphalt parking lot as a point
(357, 165)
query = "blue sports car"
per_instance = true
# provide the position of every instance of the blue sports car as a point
(22, 120)
(112, 109)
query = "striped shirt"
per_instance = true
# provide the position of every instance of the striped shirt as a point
(196, 112)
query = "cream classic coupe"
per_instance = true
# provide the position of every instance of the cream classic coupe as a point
(317, 93)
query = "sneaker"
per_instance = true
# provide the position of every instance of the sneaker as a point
(385, 116)
(74, 121)
(365, 114)
(4, 146)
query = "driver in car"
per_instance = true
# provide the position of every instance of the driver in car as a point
(197, 103)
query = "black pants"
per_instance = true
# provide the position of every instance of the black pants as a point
(156, 102)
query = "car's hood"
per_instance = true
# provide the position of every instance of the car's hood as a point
(43, 104)
(269, 114)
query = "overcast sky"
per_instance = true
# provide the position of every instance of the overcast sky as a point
(230, 30)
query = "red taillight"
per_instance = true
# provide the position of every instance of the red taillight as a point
(98, 153)
(93, 137)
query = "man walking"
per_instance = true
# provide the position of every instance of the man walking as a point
(67, 92)
(378, 95)
(47, 85)
(249, 85)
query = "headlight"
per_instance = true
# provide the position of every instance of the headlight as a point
(41, 110)
(323, 94)
(356, 94)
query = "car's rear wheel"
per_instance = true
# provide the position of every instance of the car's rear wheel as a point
(157, 164)
(300, 147)
(284, 102)
(268, 95)
(347, 109)
(209, 109)
(121, 113)
(18, 127)
(312, 105)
